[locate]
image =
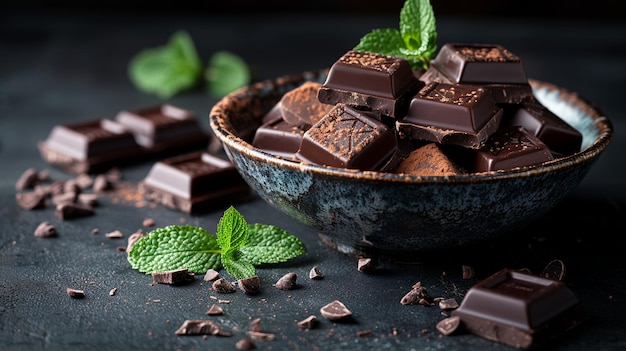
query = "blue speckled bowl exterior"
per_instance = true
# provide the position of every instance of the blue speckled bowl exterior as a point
(392, 214)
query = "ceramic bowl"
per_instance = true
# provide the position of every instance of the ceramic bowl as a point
(376, 213)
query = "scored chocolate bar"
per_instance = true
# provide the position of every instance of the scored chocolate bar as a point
(100, 144)
(194, 182)
(520, 309)
(371, 81)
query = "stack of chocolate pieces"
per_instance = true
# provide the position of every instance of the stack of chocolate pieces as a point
(472, 111)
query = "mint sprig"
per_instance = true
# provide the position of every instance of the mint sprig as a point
(414, 41)
(177, 67)
(238, 247)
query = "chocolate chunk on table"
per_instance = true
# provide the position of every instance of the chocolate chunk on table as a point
(380, 83)
(520, 309)
(560, 137)
(457, 114)
(510, 148)
(348, 138)
(194, 182)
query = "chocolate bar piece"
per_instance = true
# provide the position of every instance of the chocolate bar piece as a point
(348, 138)
(510, 148)
(458, 114)
(520, 309)
(278, 138)
(561, 138)
(194, 182)
(498, 69)
(300, 106)
(371, 81)
(98, 145)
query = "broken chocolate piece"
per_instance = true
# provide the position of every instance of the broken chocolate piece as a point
(308, 323)
(215, 310)
(201, 327)
(371, 81)
(250, 285)
(428, 160)
(520, 309)
(245, 344)
(27, 180)
(223, 286)
(45, 230)
(348, 138)
(31, 200)
(173, 277)
(211, 275)
(194, 182)
(449, 325)
(418, 295)
(315, 273)
(278, 138)
(301, 108)
(287, 282)
(72, 210)
(335, 311)
(448, 304)
(75, 293)
(366, 265)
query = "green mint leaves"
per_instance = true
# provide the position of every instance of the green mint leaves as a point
(415, 41)
(237, 247)
(176, 67)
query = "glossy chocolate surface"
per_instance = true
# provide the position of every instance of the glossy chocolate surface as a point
(279, 138)
(194, 182)
(348, 138)
(380, 83)
(520, 309)
(301, 108)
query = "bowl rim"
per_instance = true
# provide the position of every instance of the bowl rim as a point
(222, 129)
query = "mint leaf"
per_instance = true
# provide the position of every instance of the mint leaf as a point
(176, 247)
(237, 266)
(270, 244)
(225, 73)
(167, 70)
(415, 41)
(232, 230)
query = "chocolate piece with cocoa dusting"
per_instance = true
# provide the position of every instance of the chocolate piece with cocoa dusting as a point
(301, 108)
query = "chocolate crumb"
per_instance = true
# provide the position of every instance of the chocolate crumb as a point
(260, 336)
(211, 275)
(417, 295)
(335, 311)
(448, 304)
(200, 327)
(45, 230)
(245, 343)
(363, 333)
(75, 293)
(251, 285)
(95, 231)
(366, 265)
(30, 200)
(173, 277)
(308, 323)
(287, 282)
(215, 310)
(116, 234)
(468, 272)
(315, 273)
(112, 292)
(148, 222)
(223, 286)
(449, 325)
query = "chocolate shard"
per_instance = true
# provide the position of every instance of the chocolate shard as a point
(250, 285)
(335, 311)
(366, 80)
(519, 309)
(348, 138)
(464, 115)
(201, 327)
(223, 286)
(194, 183)
(173, 277)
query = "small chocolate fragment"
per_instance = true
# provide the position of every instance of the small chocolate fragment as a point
(519, 309)
(88, 199)
(348, 138)
(116, 234)
(223, 286)
(83, 181)
(194, 182)
(75, 293)
(245, 344)
(428, 160)
(45, 230)
(72, 210)
(448, 304)
(215, 310)
(102, 183)
(301, 108)
(511, 148)
(250, 285)
(315, 273)
(173, 277)
(112, 292)
(287, 282)
(148, 222)
(464, 115)
(211, 275)
(31, 200)
(449, 325)
(261, 336)
(418, 295)
(27, 180)
(278, 138)
(560, 137)
(366, 80)
(68, 197)
(201, 327)
(308, 323)
(335, 311)
(366, 265)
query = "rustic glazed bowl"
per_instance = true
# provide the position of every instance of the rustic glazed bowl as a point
(376, 213)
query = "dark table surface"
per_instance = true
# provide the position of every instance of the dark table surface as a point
(61, 68)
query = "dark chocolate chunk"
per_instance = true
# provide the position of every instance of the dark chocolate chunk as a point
(27, 180)
(308, 323)
(45, 230)
(73, 210)
(561, 138)
(315, 273)
(366, 265)
(30, 200)
(287, 282)
(301, 108)
(278, 138)
(380, 83)
(214, 310)
(418, 295)
(448, 304)
(250, 285)
(173, 277)
(464, 115)
(519, 309)
(449, 325)
(223, 286)
(201, 327)
(335, 311)
(428, 160)
(75, 293)
(194, 182)
(348, 138)
(511, 148)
